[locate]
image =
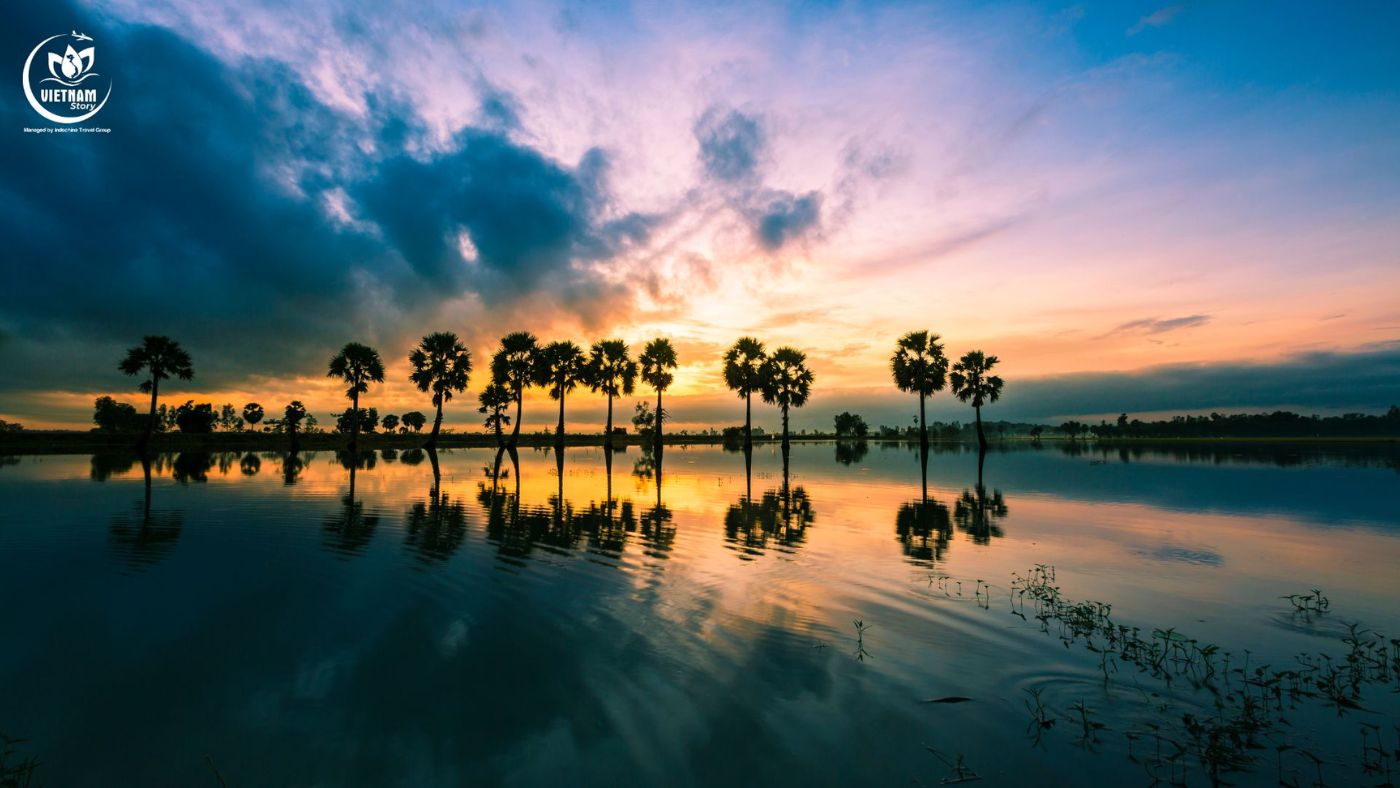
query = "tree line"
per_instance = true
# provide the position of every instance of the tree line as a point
(441, 367)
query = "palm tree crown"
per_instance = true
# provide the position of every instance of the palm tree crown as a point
(610, 369)
(359, 365)
(743, 365)
(513, 367)
(561, 367)
(787, 382)
(918, 364)
(161, 357)
(442, 365)
(657, 360)
(971, 381)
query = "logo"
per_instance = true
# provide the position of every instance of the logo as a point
(60, 80)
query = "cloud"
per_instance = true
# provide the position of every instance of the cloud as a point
(1160, 326)
(232, 209)
(787, 218)
(1159, 18)
(732, 144)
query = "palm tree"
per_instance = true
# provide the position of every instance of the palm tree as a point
(562, 366)
(253, 413)
(743, 364)
(292, 416)
(359, 365)
(971, 382)
(161, 357)
(918, 365)
(513, 367)
(613, 372)
(786, 382)
(495, 399)
(657, 360)
(442, 365)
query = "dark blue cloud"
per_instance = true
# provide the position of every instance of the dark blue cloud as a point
(786, 218)
(731, 144)
(203, 215)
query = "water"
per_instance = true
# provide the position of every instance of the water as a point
(514, 628)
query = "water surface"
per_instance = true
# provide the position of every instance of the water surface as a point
(324, 621)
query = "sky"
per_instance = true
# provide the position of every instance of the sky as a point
(1144, 207)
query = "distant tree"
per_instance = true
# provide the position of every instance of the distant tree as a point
(292, 417)
(441, 364)
(560, 368)
(359, 365)
(252, 413)
(495, 399)
(414, 420)
(786, 382)
(112, 416)
(160, 357)
(390, 422)
(849, 425)
(973, 382)
(1035, 433)
(613, 372)
(1123, 424)
(513, 367)
(228, 419)
(643, 420)
(196, 419)
(657, 360)
(743, 367)
(918, 365)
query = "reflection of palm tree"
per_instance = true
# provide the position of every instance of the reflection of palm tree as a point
(782, 514)
(561, 368)
(978, 513)
(657, 360)
(787, 382)
(613, 372)
(972, 381)
(442, 365)
(292, 467)
(657, 531)
(192, 466)
(350, 529)
(919, 365)
(160, 357)
(143, 539)
(359, 365)
(743, 366)
(923, 528)
(250, 464)
(513, 368)
(436, 526)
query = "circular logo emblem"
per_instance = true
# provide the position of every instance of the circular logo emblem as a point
(61, 80)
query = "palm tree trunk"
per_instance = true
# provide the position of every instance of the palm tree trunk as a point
(607, 439)
(292, 431)
(981, 437)
(785, 430)
(354, 426)
(657, 437)
(559, 431)
(748, 420)
(519, 405)
(923, 430)
(437, 422)
(151, 420)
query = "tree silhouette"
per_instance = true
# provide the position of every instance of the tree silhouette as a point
(513, 367)
(252, 413)
(414, 420)
(657, 360)
(786, 382)
(562, 366)
(390, 422)
(359, 365)
(743, 366)
(918, 365)
(443, 365)
(495, 399)
(613, 372)
(972, 382)
(292, 416)
(161, 357)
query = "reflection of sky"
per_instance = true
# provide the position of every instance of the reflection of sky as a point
(1103, 187)
(248, 640)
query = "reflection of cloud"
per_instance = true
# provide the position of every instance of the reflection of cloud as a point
(1185, 555)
